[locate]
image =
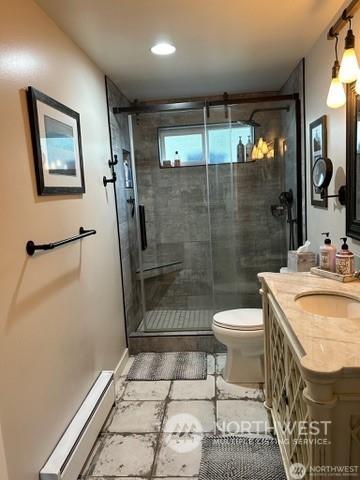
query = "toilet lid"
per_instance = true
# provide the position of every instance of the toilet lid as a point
(240, 319)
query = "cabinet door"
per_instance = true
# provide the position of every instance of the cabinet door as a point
(289, 408)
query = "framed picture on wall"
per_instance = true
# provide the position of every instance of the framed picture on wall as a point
(56, 139)
(318, 148)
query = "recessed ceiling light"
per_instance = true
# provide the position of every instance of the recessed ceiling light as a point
(163, 49)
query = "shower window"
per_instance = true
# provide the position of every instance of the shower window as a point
(185, 146)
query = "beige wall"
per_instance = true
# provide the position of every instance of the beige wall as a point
(61, 314)
(318, 64)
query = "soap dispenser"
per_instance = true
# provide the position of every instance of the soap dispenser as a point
(327, 255)
(345, 260)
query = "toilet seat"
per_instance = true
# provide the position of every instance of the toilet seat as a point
(243, 319)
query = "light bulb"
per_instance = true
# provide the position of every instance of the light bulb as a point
(260, 154)
(265, 148)
(349, 64)
(349, 67)
(336, 97)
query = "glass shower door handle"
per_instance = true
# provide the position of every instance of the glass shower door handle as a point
(142, 222)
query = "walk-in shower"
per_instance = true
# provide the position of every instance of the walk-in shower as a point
(203, 223)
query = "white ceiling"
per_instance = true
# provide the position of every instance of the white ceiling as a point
(222, 45)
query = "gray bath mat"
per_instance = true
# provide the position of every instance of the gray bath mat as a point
(242, 457)
(169, 366)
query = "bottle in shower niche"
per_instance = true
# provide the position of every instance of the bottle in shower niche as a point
(248, 150)
(240, 152)
(345, 263)
(177, 161)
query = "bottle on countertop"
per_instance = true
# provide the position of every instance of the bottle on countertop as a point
(240, 152)
(327, 255)
(345, 264)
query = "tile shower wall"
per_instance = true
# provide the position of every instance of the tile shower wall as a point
(218, 264)
(119, 131)
(176, 220)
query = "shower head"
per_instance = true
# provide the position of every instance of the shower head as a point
(251, 122)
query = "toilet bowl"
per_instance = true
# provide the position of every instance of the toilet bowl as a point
(242, 332)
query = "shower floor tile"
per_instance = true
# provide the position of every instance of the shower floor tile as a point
(173, 320)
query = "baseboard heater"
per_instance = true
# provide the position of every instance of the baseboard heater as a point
(70, 454)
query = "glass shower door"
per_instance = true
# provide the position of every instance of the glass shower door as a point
(175, 267)
(246, 239)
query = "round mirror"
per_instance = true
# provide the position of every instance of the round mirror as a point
(322, 173)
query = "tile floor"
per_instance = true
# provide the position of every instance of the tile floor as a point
(174, 320)
(155, 429)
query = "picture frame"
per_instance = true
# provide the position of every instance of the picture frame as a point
(318, 148)
(56, 140)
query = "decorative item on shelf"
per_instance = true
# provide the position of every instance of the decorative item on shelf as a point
(336, 97)
(56, 139)
(166, 164)
(349, 67)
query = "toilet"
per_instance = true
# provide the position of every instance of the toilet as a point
(242, 332)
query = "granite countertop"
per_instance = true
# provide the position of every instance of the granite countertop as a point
(331, 345)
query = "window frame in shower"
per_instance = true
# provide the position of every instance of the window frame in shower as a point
(204, 132)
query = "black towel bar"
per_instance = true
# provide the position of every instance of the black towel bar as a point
(31, 247)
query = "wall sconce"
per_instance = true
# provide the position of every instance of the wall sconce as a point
(349, 67)
(336, 97)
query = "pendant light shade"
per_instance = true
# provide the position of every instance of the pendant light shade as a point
(349, 66)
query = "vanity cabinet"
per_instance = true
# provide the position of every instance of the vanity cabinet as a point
(315, 414)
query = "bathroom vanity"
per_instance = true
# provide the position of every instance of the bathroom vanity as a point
(312, 371)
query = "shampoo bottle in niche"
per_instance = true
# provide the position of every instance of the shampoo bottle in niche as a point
(345, 260)
(248, 150)
(327, 255)
(240, 152)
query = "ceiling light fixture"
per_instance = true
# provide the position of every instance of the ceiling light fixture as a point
(163, 49)
(349, 67)
(336, 97)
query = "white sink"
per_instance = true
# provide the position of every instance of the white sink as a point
(329, 304)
